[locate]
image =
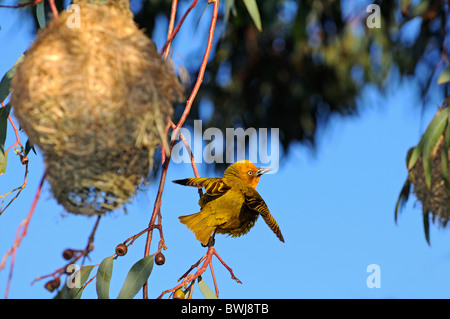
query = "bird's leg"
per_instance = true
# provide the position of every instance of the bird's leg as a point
(212, 239)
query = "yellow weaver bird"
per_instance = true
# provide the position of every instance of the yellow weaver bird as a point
(231, 205)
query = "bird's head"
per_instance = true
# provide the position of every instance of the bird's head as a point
(247, 171)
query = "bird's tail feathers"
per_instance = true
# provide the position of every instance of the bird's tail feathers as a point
(199, 225)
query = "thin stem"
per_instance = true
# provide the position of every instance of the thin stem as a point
(89, 246)
(214, 279)
(20, 234)
(173, 14)
(201, 73)
(54, 9)
(207, 260)
(157, 206)
(177, 28)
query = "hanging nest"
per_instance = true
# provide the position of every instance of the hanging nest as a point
(94, 99)
(436, 199)
(428, 166)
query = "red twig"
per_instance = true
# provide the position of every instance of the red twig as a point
(201, 72)
(173, 14)
(214, 279)
(166, 132)
(157, 205)
(188, 148)
(19, 189)
(177, 28)
(54, 9)
(24, 161)
(20, 234)
(207, 260)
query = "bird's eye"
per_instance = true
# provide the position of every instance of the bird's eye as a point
(250, 173)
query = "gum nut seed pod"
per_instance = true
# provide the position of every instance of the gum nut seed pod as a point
(52, 284)
(160, 259)
(121, 250)
(68, 254)
(179, 294)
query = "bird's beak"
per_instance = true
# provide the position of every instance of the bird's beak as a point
(261, 171)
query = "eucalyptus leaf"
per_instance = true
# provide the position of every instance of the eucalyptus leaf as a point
(415, 155)
(28, 147)
(205, 290)
(81, 276)
(445, 158)
(433, 132)
(3, 162)
(445, 166)
(426, 226)
(418, 150)
(444, 77)
(402, 198)
(103, 279)
(6, 80)
(4, 113)
(252, 9)
(40, 14)
(229, 7)
(136, 278)
(63, 293)
(420, 8)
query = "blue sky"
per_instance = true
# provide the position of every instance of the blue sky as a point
(335, 209)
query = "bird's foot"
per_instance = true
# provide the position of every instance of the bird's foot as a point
(210, 243)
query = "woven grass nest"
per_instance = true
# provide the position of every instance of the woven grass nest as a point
(436, 199)
(429, 172)
(94, 100)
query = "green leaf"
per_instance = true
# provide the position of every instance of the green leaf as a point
(4, 113)
(63, 293)
(444, 77)
(252, 8)
(426, 226)
(445, 166)
(405, 4)
(104, 274)
(421, 7)
(409, 154)
(28, 147)
(402, 198)
(415, 155)
(40, 14)
(418, 150)
(433, 132)
(6, 80)
(445, 158)
(205, 290)
(136, 278)
(82, 275)
(229, 7)
(3, 162)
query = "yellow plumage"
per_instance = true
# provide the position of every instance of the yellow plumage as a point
(231, 205)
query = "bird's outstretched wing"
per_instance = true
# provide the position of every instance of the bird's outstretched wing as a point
(213, 186)
(255, 202)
